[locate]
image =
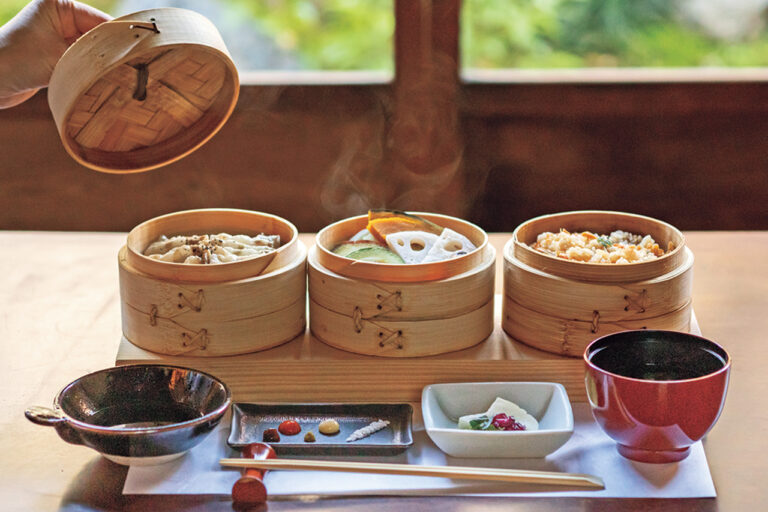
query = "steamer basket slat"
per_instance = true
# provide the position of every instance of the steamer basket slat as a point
(446, 298)
(399, 338)
(570, 337)
(539, 291)
(210, 337)
(561, 306)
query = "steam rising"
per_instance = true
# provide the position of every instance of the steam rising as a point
(410, 159)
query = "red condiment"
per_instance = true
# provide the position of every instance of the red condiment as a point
(503, 422)
(289, 428)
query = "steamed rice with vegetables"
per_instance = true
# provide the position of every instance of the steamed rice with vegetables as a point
(620, 247)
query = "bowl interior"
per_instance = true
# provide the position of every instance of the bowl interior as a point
(209, 221)
(603, 222)
(143, 396)
(657, 355)
(332, 235)
(443, 404)
(667, 236)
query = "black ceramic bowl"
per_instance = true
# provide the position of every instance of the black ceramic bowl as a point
(139, 414)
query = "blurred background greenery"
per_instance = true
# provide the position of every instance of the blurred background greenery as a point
(357, 35)
(607, 33)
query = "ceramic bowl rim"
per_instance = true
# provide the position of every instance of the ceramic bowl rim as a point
(139, 431)
(593, 367)
(568, 428)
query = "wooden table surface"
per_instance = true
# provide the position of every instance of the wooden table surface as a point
(60, 319)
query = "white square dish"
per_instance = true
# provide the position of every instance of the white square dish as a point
(443, 404)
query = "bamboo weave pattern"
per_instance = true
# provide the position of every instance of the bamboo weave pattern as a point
(182, 85)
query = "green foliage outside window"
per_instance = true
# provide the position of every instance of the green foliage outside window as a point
(353, 34)
(330, 34)
(588, 33)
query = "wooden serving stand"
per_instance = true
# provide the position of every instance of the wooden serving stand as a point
(307, 370)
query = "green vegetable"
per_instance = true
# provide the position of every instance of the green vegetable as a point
(481, 423)
(376, 254)
(349, 247)
(604, 241)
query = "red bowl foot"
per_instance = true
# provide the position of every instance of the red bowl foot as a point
(654, 456)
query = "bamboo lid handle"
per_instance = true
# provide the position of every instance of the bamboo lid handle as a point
(137, 24)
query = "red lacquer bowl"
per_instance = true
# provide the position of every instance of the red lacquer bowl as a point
(656, 392)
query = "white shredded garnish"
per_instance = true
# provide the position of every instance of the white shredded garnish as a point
(366, 431)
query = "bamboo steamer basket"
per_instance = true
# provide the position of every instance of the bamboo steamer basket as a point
(669, 238)
(390, 315)
(213, 310)
(142, 90)
(333, 234)
(560, 306)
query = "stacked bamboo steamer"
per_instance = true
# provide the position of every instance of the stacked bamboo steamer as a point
(401, 310)
(143, 90)
(560, 306)
(213, 310)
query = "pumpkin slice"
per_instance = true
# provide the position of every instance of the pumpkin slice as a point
(385, 222)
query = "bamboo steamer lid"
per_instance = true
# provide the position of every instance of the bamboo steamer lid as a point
(143, 90)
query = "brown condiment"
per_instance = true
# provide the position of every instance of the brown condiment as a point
(309, 437)
(271, 436)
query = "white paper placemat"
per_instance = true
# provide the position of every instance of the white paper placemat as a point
(588, 451)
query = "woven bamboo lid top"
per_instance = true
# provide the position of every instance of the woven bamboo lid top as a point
(143, 90)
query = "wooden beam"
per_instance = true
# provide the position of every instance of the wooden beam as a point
(423, 155)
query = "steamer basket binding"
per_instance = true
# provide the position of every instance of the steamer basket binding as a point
(562, 308)
(143, 90)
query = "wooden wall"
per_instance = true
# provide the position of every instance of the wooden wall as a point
(275, 154)
(694, 155)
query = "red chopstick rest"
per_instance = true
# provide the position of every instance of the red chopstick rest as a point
(250, 489)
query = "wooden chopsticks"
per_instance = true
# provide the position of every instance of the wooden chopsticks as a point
(492, 474)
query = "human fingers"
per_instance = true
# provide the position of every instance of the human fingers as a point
(76, 18)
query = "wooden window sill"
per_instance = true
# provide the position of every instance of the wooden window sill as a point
(614, 75)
